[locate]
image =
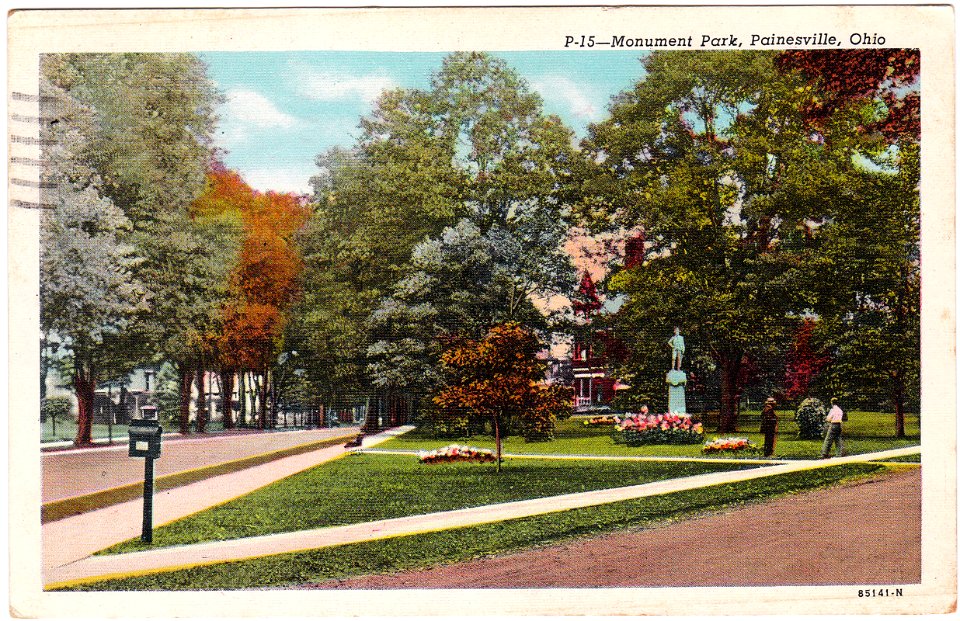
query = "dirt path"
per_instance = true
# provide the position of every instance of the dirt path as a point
(862, 533)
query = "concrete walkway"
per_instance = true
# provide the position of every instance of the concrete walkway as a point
(179, 557)
(70, 539)
(708, 460)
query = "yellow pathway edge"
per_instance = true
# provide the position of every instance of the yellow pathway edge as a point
(92, 569)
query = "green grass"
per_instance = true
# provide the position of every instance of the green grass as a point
(866, 432)
(367, 487)
(906, 459)
(67, 431)
(431, 549)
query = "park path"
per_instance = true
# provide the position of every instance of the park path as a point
(74, 472)
(70, 539)
(179, 557)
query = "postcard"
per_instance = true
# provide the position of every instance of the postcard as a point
(482, 311)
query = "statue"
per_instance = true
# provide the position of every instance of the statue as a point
(676, 342)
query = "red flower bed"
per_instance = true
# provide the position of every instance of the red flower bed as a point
(455, 453)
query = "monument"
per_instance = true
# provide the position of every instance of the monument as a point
(676, 379)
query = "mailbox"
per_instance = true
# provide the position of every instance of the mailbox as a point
(145, 438)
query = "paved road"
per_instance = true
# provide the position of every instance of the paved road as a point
(71, 473)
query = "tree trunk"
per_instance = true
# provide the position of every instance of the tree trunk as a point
(254, 383)
(186, 382)
(897, 398)
(730, 390)
(201, 400)
(373, 418)
(273, 400)
(85, 385)
(496, 434)
(242, 396)
(122, 406)
(263, 402)
(226, 397)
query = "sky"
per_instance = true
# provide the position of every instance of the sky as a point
(281, 109)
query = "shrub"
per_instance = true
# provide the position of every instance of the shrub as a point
(545, 404)
(810, 416)
(600, 420)
(446, 423)
(56, 408)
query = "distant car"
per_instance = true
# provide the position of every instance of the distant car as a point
(594, 410)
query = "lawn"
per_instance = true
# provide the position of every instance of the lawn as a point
(367, 487)
(430, 549)
(866, 432)
(66, 430)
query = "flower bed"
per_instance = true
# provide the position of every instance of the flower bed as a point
(456, 452)
(730, 445)
(639, 429)
(600, 420)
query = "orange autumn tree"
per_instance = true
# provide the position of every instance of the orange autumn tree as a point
(224, 198)
(499, 379)
(262, 283)
(265, 286)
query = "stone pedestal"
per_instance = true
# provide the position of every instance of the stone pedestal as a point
(676, 391)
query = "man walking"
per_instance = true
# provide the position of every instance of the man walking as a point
(834, 421)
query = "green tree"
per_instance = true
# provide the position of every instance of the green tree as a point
(865, 277)
(868, 275)
(710, 157)
(87, 294)
(135, 129)
(475, 145)
(514, 165)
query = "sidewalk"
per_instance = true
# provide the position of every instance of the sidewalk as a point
(77, 472)
(74, 538)
(703, 460)
(179, 557)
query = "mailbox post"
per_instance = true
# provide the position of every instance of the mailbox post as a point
(145, 442)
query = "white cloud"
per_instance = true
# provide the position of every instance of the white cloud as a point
(325, 86)
(279, 179)
(563, 90)
(251, 108)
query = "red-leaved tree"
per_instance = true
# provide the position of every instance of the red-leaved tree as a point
(804, 363)
(498, 378)
(848, 77)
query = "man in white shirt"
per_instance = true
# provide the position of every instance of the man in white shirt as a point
(834, 421)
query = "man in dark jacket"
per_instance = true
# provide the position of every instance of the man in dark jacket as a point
(768, 426)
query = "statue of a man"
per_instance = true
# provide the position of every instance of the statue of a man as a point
(676, 342)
